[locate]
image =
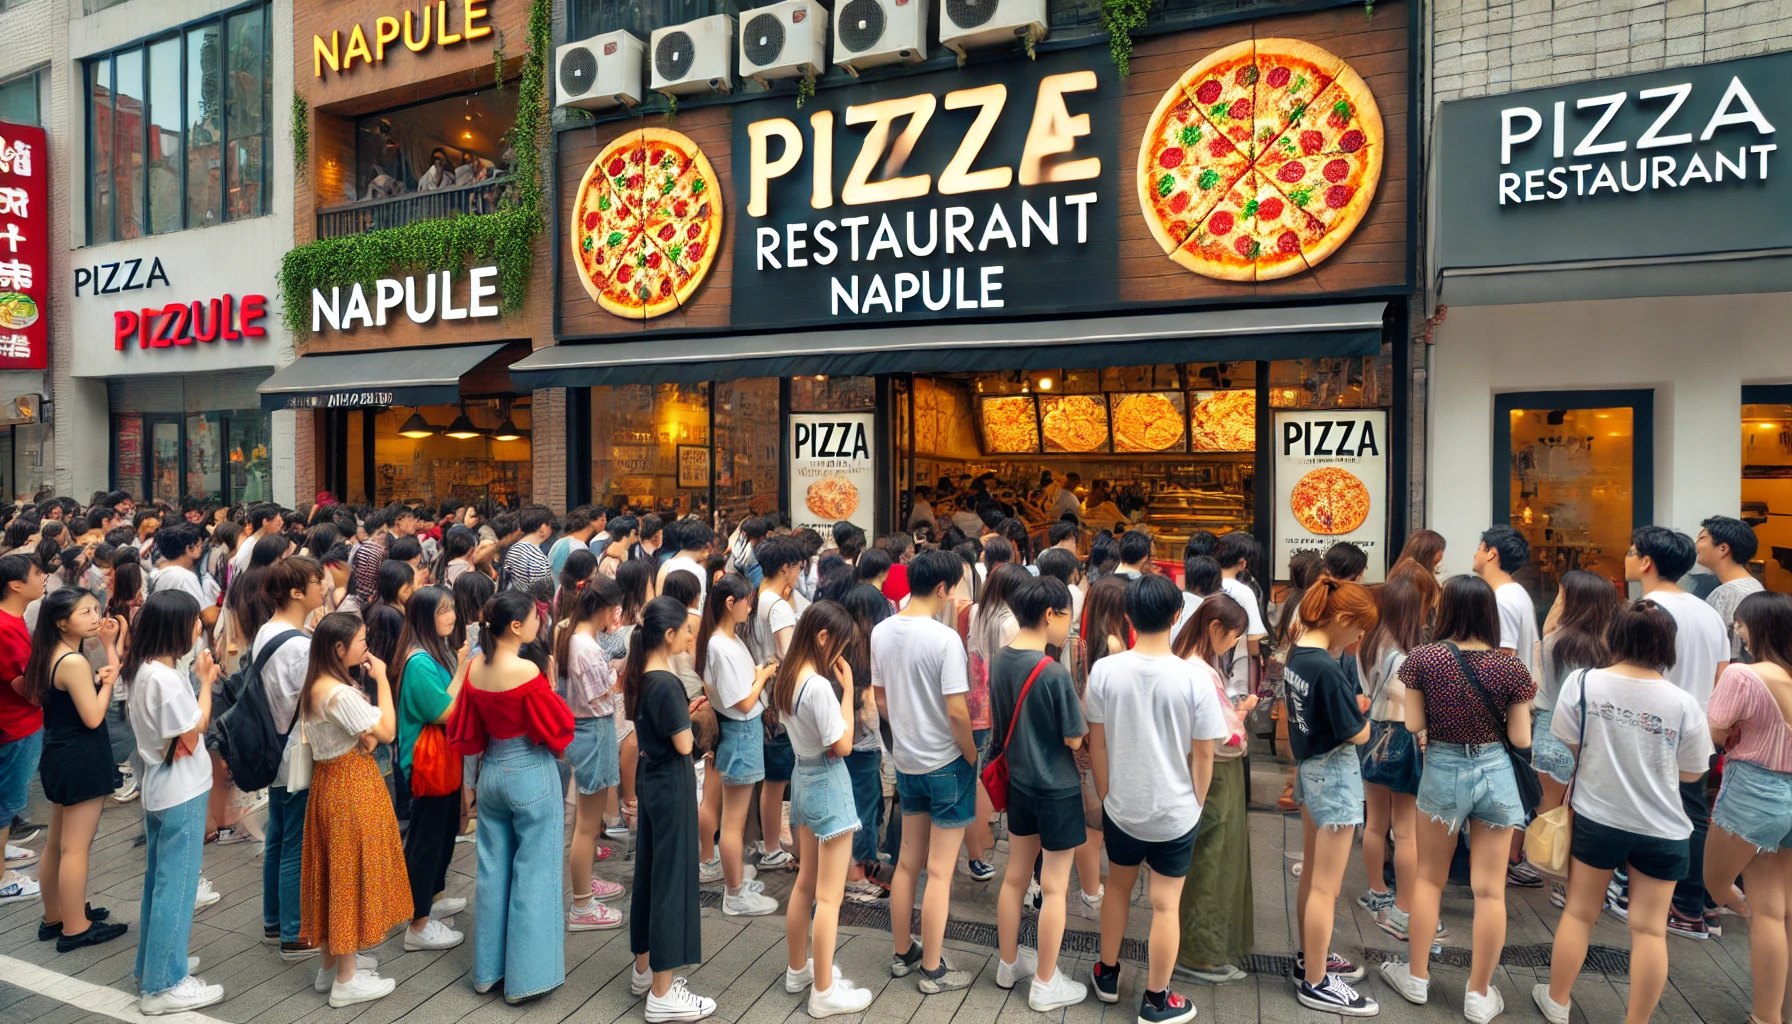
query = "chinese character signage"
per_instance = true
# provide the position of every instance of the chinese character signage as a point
(24, 248)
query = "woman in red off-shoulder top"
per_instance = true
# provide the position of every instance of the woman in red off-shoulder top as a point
(510, 713)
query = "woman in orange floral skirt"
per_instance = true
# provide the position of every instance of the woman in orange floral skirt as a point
(353, 885)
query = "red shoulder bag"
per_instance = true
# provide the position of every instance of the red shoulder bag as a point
(995, 773)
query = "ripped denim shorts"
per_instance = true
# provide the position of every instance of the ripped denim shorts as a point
(1330, 787)
(1469, 780)
(1755, 804)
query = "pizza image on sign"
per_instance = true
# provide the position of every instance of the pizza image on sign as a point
(832, 498)
(1260, 161)
(1329, 500)
(646, 223)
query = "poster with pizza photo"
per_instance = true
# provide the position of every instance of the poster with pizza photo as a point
(1331, 473)
(833, 474)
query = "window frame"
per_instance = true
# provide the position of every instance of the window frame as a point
(1640, 401)
(141, 46)
(39, 77)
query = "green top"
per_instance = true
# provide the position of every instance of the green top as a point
(422, 697)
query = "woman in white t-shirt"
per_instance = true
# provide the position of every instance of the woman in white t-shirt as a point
(734, 684)
(813, 697)
(1638, 736)
(168, 724)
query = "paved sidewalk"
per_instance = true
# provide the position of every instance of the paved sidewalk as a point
(744, 959)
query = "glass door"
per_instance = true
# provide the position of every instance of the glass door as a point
(165, 451)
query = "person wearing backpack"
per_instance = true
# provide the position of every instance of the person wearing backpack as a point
(295, 588)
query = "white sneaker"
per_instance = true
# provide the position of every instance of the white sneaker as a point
(128, 790)
(679, 1003)
(1088, 907)
(15, 886)
(447, 906)
(1025, 965)
(1554, 1012)
(1061, 991)
(616, 831)
(709, 871)
(205, 895)
(231, 835)
(189, 993)
(364, 987)
(641, 982)
(796, 981)
(1399, 977)
(19, 856)
(1035, 896)
(435, 935)
(840, 997)
(326, 976)
(1480, 1009)
(747, 903)
(192, 964)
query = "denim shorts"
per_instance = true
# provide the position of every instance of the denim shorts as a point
(18, 766)
(1330, 787)
(1755, 805)
(1472, 780)
(1391, 758)
(980, 740)
(1056, 820)
(1169, 858)
(1549, 755)
(593, 755)
(821, 797)
(740, 753)
(780, 760)
(1606, 849)
(946, 795)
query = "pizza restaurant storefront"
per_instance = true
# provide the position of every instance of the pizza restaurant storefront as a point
(807, 323)
(1614, 347)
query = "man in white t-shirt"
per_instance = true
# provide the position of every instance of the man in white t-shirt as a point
(180, 547)
(919, 678)
(1726, 546)
(1153, 719)
(1235, 552)
(263, 520)
(1502, 552)
(300, 581)
(1657, 557)
(689, 540)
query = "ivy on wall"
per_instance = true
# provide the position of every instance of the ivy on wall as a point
(1121, 18)
(301, 135)
(505, 237)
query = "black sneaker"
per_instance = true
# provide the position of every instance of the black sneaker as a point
(1107, 981)
(1175, 1009)
(47, 931)
(1334, 964)
(96, 933)
(1334, 995)
(23, 831)
(902, 963)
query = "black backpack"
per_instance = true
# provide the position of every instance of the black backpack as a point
(245, 734)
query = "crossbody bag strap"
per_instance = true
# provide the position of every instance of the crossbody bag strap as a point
(1487, 700)
(1022, 699)
(1582, 753)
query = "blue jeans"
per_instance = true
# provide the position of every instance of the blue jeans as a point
(170, 885)
(518, 932)
(18, 766)
(865, 767)
(281, 860)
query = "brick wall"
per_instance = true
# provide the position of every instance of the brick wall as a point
(547, 446)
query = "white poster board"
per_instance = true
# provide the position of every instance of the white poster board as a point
(1331, 475)
(832, 470)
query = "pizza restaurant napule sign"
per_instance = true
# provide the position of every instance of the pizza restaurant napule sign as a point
(991, 191)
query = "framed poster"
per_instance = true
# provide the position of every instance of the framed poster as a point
(833, 474)
(1332, 483)
(693, 465)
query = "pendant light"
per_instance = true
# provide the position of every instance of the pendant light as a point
(508, 430)
(416, 427)
(462, 429)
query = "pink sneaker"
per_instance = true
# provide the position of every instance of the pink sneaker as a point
(603, 889)
(602, 852)
(593, 917)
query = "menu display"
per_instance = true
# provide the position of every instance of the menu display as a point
(1224, 421)
(1151, 421)
(1010, 425)
(1074, 423)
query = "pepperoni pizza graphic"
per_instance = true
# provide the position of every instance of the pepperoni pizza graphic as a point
(646, 223)
(1260, 161)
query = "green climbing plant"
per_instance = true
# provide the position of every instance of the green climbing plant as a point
(1122, 18)
(301, 135)
(504, 237)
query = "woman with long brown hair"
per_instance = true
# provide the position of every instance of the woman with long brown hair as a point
(352, 883)
(592, 694)
(734, 685)
(429, 678)
(1104, 629)
(813, 694)
(1582, 616)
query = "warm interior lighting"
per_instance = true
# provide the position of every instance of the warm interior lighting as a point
(507, 431)
(416, 427)
(462, 429)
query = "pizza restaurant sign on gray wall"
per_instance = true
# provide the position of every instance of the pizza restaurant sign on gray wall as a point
(1668, 163)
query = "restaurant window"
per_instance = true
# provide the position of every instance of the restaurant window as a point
(179, 128)
(200, 438)
(649, 446)
(24, 98)
(1573, 472)
(1767, 481)
(448, 143)
(746, 448)
(478, 451)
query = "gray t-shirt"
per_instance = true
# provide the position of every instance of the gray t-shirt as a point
(1152, 708)
(1725, 599)
(1039, 764)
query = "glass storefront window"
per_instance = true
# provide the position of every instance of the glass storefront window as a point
(164, 154)
(248, 73)
(205, 438)
(205, 129)
(1767, 483)
(164, 453)
(636, 433)
(1355, 382)
(249, 464)
(746, 450)
(433, 469)
(127, 454)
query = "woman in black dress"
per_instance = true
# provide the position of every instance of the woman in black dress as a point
(77, 768)
(664, 929)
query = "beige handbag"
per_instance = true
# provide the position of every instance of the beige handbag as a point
(1550, 836)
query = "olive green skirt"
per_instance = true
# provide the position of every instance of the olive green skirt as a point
(1217, 926)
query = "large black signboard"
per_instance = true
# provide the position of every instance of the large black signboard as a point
(1676, 162)
(977, 192)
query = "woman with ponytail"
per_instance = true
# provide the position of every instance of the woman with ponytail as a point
(509, 712)
(665, 926)
(592, 694)
(734, 685)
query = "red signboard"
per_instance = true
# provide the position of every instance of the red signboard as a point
(24, 248)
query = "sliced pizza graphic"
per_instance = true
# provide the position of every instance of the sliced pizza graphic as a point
(646, 223)
(1260, 161)
(1329, 501)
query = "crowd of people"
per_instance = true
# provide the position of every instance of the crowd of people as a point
(384, 683)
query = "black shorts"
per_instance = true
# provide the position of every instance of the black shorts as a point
(1056, 820)
(1606, 848)
(1168, 858)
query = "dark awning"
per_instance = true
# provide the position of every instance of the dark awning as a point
(401, 376)
(1300, 332)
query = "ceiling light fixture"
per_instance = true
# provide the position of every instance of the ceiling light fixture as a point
(462, 429)
(416, 427)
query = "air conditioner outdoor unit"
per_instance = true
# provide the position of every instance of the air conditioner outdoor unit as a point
(601, 72)
(694, 57)
(965, 24)
(872, 32)
(784, 40)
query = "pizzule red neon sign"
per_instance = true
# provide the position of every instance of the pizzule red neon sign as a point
(222, 319)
